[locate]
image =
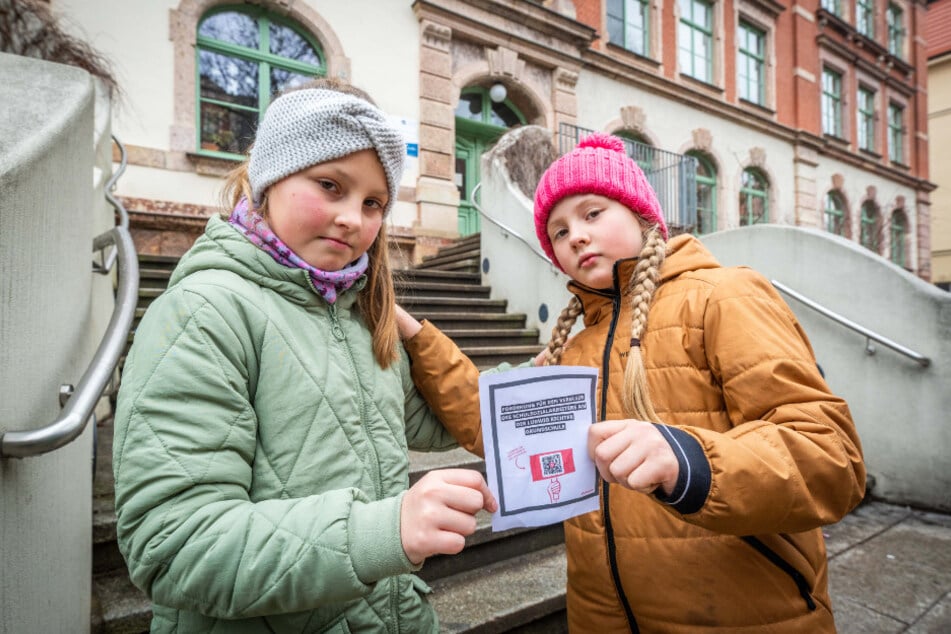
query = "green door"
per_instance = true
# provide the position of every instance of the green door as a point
(479, 123)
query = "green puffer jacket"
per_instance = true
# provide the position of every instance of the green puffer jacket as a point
(260, 455)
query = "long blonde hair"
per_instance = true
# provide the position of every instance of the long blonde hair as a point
(636, 400)
(376, 303)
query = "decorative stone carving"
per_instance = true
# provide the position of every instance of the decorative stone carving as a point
(504, 61)
(838, 181)
(757, 157)
(565, 79)
(702, 139)
(436, 35)
(633, 118)
(870, 192)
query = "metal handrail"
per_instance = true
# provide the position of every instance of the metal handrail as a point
(81, 403)
(503, 226)
(869, 335)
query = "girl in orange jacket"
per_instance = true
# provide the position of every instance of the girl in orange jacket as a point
(721, 449)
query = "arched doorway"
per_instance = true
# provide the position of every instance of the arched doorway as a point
(482, 116)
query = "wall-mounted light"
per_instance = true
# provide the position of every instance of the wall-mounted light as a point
(497, 92)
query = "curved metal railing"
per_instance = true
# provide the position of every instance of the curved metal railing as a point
(869, 335)
(501, 225)
(80, 403)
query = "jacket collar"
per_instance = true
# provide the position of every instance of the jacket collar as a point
(685, 253)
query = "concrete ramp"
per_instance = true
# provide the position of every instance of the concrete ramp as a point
(902, 409)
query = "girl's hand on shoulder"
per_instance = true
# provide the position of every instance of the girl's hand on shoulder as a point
(634, 454)
(438, 512)
(407, 325)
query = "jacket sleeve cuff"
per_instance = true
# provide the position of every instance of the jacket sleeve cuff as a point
(693, 482)
(376, 549)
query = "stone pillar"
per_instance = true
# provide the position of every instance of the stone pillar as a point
(437, 198)
(805, 162)
(564, 98)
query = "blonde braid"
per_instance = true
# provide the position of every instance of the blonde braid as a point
(644, 281)
(559, 335)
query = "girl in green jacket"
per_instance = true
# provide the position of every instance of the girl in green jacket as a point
(267, 408)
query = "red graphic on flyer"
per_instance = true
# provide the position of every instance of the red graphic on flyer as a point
(551, 465)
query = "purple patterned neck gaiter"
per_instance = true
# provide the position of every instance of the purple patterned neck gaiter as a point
(328, 283)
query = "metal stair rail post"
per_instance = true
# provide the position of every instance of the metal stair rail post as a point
(80, 403)
(869, 335)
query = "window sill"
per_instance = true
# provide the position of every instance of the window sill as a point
(837, 141)
(899, 165)
(632, 56)
(872, 154)
(755, 107)
(701, 85)
(208, 164)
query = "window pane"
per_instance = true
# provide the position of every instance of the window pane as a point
(232, 27)
(470, 106)
(282, 79)
(227, 78)
(503, 116)
(286, 43)
(226, 129)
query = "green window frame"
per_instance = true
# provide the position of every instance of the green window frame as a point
(754, 198)
(629, 25)
(896, 30)
(866, 119)
(835, 213)
(751, 63)
(899, 227)
(869, 222)
(476, 104)
(831, 102)
(706, 195)
(832, 6)
(896, 133)
(245, 56)
(865, 17)
(638, 148)
(695, 39)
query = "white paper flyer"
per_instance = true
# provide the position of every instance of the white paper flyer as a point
(535, 433)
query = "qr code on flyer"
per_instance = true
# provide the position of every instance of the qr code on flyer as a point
(552, 465)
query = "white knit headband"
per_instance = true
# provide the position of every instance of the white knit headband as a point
(307, 127)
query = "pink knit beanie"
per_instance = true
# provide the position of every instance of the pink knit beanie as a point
(598, 165)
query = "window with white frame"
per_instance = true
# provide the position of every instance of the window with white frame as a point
(831, 102)
(246, 56)
(896, 133)
(695, 39)
(865, 17)
(629, 25)
(865, 118)
(751, 63)
(896, 30)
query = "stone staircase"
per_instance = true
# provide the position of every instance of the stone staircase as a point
(512, 581)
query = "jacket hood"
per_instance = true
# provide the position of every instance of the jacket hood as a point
(222, 247)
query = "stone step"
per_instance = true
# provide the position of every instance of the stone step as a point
(425, 304)
(466, 245)
(470, 337)
(465, 260)
(118, 606)
(418, 288)
(524, 592)
(463, 320)
(435, 275)
(485, 357)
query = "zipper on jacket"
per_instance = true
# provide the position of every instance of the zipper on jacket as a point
(801, 584)
(392, 624)
(605, 488)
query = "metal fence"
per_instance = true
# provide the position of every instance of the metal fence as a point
(673, 176)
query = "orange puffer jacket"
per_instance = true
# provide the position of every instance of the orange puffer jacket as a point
(772, 455)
